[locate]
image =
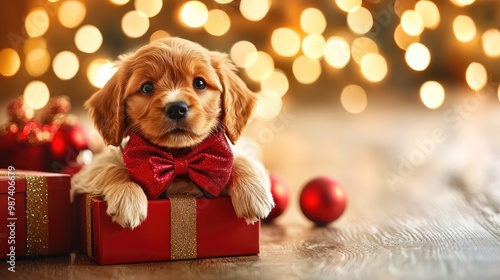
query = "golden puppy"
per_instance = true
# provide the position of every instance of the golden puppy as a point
(174, 93)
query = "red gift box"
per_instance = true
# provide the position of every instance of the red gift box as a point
(176, 228)
(34, 214)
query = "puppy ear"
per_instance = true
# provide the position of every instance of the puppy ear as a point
(238, 101)
(107, 110)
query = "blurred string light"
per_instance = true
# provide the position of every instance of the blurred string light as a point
(476, 76)
(158, 34)
(37, 22)
(312, 21)
(277, 82)
(194, 14)
(71, 13)
(374, 67)
(100, 71)
(223, 1)
(36, 94)
(412, 23)
(37, 62)
(261, 68)
(243, 54)
(464, 28)
(34, 43)
(462, 3)
(337, 53)
(432, 94)
(119, 2)
(306, 70)
(269, 104)
(403, 39)
(362, 46)
(498, 92)
(348, 5)
(135, 24)
(491, 42)
(218, 22)
(254, 10)
(353, 98)
(429, 13)
(285, 42)
(313, 46)
(417, 56)
(88, 39)
(149, 7)
(360, 20)
(65, 65)
(9, 62)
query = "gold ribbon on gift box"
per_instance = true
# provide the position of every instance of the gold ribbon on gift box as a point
(183, 244)
(37, 217)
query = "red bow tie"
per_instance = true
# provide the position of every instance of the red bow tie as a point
(208, 165)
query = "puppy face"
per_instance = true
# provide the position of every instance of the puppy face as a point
(174, 93)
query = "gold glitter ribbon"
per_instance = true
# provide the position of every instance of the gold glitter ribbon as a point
(88, 224)
(182, 227)
(37, 218)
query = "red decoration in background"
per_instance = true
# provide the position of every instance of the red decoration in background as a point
(47, 139)
(322, 200)
(281, 195)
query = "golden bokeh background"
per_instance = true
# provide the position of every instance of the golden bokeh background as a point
(337, 52)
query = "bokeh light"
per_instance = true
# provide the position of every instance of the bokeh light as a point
(462, 3)
(337, 53)
(254, 10)
(402, 39)
(268, 105)
(429, 13)
(88, 39)
(476, 76)
(400, 6)
(491, 42)
(285, 42)
(277, 82)
(362, 46)
(306, 70)
(243, 54)
(432, 94)
(36, 94)
(100, 71)
(464, 28)
(135, 24)
(34, 43)
(261, 68)
(223, 1)
(9, 62)
(218, 22)
(312, 21)
(37, 22)
(37, 62)
(194, 14)
(354, 99)
(158, 34)
(418, 57)
(360, 20)
(71, 13)
(149, 7)
(348, 5)
(374, 67)
(412, 23)
(313, 46)
(119, 2)
(65, 65)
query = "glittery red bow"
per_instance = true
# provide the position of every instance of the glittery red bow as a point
(208, 164)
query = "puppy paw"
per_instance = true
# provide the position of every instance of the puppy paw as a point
(250, 190)
(127, 204)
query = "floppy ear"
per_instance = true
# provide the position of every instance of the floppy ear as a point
(107, 110)
(238, 101)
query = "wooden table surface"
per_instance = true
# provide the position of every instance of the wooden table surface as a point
(440, 219)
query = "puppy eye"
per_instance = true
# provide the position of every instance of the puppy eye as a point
(199, 84)
(147, 88)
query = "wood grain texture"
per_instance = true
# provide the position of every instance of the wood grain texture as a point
(442, 221)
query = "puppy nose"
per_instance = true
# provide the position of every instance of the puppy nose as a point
(177, 110)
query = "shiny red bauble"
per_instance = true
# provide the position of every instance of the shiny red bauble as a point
(323, 200)
(281, 195)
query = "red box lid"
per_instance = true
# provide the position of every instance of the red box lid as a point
(55, 181)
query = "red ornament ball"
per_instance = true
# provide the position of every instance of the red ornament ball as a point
(322, 200)
(281, 195)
